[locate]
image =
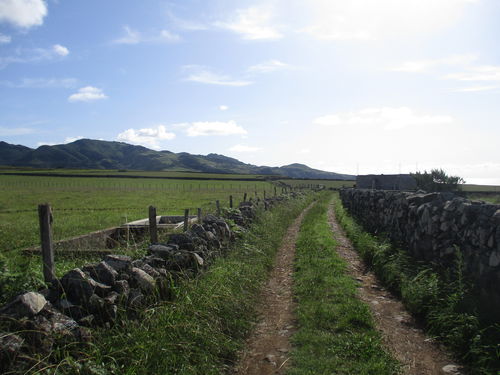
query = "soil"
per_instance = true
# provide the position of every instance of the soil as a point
(268, 346)
(419, 354)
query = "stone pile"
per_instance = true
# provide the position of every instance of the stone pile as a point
(434, 227)
(95, 294)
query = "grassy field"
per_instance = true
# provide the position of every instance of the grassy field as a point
(201, 330)
(133, 173)
(82, 205)
(337, 334)
(326, 183)
(481, 188)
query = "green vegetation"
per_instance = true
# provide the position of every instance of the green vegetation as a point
(443, 301)
(83, 205)
(312, 183)
(480, 188)
(336, 331)
(200, 331)
(495, 199)
(437, 180)
(133, 173)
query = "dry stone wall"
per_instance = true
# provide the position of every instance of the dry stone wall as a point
(433, 227)
(96, 294)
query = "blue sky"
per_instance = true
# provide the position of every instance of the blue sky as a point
(347, 86)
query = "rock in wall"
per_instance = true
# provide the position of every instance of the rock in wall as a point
(433, 227)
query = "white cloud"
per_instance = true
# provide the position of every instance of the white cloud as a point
(87, 94)
(254, 23)
(476, 89)
(148, 137)
(420, 66)
(169, 36)
(23, 13)
(72, 139)
(60, 50)
(5, 39)
(130, 37)
(478, 73)
(369, 20)
(8, 132)
(243, 148)
(135, 37)
(223, 107)
(205, 128)
(34, 55)
(201, 74)
(388, 118)
(304, 151)
(268, 66)
(42, 83)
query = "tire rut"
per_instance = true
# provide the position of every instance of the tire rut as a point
(400, 333)
(267, 348)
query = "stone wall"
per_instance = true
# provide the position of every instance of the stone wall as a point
(432, 227)
(98, 294)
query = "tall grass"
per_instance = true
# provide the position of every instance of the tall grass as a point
(336, 331)
(443, 301)
(201, 330)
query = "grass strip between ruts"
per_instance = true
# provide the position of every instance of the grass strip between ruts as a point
(200, 331)
(336, 332)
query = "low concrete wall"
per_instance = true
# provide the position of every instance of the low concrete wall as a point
(432, 227)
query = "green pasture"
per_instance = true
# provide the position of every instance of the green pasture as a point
(133, 173)
(327, 183)
(85, 204)
(81, 205)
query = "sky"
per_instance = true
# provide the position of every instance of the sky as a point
(357, 87)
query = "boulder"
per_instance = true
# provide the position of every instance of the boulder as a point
(143, 281)
(79, 287)
(119, 262)
(25, 305)
(102, 272)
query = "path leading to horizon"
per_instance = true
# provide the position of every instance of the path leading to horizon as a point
(267, 350)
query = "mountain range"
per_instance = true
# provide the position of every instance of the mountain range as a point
(95, 154)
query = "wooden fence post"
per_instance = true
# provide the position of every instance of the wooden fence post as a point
(153, 230)
(245, 197)
(186, 219)
(45, 217)
(230, 201)
(199, 216)
(275, 191)
(217, 204)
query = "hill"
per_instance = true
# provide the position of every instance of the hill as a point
(93, 154)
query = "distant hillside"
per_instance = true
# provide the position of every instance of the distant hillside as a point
(92, 154)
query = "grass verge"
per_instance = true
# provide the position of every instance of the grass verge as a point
(201, 330)
(442, 301)
(336, 331)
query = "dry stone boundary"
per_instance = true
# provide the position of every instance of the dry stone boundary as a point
(434, 227)
(35, 323)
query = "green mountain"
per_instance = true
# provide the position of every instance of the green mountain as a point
(93, 154)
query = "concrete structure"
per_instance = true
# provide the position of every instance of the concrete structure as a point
(386, 182)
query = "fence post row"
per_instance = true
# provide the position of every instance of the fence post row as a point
(153, 230)
(45, 217)
(186, 219)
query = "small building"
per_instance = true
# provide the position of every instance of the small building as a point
(386, 182)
